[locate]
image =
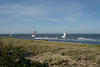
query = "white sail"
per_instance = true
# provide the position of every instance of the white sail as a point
(34, 34)
(10, 35)
(64, 35)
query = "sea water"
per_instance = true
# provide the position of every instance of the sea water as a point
(74, 38)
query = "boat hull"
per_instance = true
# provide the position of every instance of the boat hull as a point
(33, 36)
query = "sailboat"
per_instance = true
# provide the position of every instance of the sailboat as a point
(10, 35)
(64, 35)
(34, 34)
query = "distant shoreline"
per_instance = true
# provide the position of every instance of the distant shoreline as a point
(55, 33)
(93, 39)
(54, 41)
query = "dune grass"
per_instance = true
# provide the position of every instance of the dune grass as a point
(58, 54)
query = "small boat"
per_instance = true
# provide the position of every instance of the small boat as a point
(34, 34)
(64, 35)
(10, 35)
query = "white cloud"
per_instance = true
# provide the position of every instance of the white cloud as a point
(70, 19)
(27, 19)
(72, 11)
(20, 9)
(49, 19)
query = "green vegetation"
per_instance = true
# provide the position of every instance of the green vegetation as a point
(13, 56)
(33, 53)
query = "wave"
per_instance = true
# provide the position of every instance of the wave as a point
(86, 39)
(60, 39)
(50, 38)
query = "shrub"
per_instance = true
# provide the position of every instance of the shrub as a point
(28, 63)
(12, 56)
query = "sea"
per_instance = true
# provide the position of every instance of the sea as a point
(74, 38)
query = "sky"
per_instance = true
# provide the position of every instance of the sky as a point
(50, 16)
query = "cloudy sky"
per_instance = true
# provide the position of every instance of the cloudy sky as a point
(50, 16)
